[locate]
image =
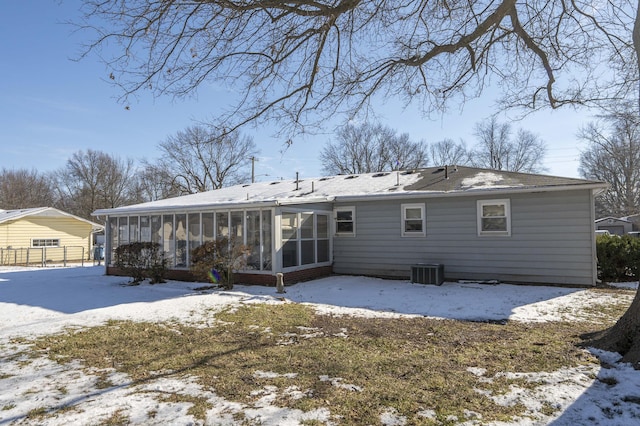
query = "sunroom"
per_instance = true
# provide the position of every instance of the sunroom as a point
(293, 240)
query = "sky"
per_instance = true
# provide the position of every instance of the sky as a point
(35, 302)
(52, 105)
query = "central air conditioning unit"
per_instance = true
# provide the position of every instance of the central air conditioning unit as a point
(427, 273)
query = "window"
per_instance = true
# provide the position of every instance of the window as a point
(134, 234)
(253, 239)
(145, 229)
(181, 239)
(222, 224)
(156, 229)
(45, 242)
(345, 221)
(123, 230)
(305, 238)
(494, 218)
(194, 235)
(307, 244)
(322, 242)
(289, 225)
(413, 220)
(169, 239)
(266, 240)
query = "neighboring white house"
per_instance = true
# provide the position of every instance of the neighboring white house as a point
(479, 224)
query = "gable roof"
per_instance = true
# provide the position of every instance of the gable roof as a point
(611, 219)
(427, 182)
(9, 215)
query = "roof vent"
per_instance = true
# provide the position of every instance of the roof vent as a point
(274, 183)
(351, 177)
(245, 185)
(380, 174)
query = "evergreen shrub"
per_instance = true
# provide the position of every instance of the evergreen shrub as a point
(618, 258)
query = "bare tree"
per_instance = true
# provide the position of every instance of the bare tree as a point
(154, 182)
(202, 158)
(613, 156)
(302, 60)
(496, 149)
(94, 180)
(22, 188)
(369, 148)
(447, 151)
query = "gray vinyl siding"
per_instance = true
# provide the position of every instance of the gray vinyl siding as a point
(551, 240)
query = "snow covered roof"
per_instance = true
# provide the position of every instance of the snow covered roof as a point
(8, 215)
(611, 219)
(427, 182)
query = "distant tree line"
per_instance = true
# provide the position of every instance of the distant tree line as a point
(369, 148)
(199, 158)
(204, 157)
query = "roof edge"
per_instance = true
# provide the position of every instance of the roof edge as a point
(597, 186)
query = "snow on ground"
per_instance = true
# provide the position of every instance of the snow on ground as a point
(42, 301)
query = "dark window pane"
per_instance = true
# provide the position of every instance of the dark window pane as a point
(290, 254)
(323, 251)
(494, 224)
(308, 252)
(413, 225)
(346, 227)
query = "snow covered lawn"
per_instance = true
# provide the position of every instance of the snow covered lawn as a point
(42, 302)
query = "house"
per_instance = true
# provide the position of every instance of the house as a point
(615, 226)
(635, 221)
(479, 224)
(44, 234)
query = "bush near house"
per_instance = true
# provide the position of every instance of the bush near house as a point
(223, 257)
(142, 260)
(618, 258)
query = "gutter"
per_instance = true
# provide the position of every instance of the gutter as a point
(199, 207)
(118, 211)
(597, 188)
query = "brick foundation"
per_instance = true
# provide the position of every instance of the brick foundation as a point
(268, 280)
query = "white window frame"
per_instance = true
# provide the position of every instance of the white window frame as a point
(507, 211)
(423, 218)
(351, 209)
(45, 242)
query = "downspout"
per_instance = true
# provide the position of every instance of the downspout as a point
(594, 252)
(107, 244)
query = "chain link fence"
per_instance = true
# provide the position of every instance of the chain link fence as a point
(43, 256)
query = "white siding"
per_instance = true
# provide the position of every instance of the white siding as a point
(550, 242)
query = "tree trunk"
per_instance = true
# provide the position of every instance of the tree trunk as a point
(623, 337)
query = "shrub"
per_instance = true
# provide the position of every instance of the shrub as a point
(220, 255)
(142, 260)
(618, 258)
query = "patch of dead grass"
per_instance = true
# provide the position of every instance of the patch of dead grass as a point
(357, 368)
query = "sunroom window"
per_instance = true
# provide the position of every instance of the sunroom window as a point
(494, 217)
(305, 238)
